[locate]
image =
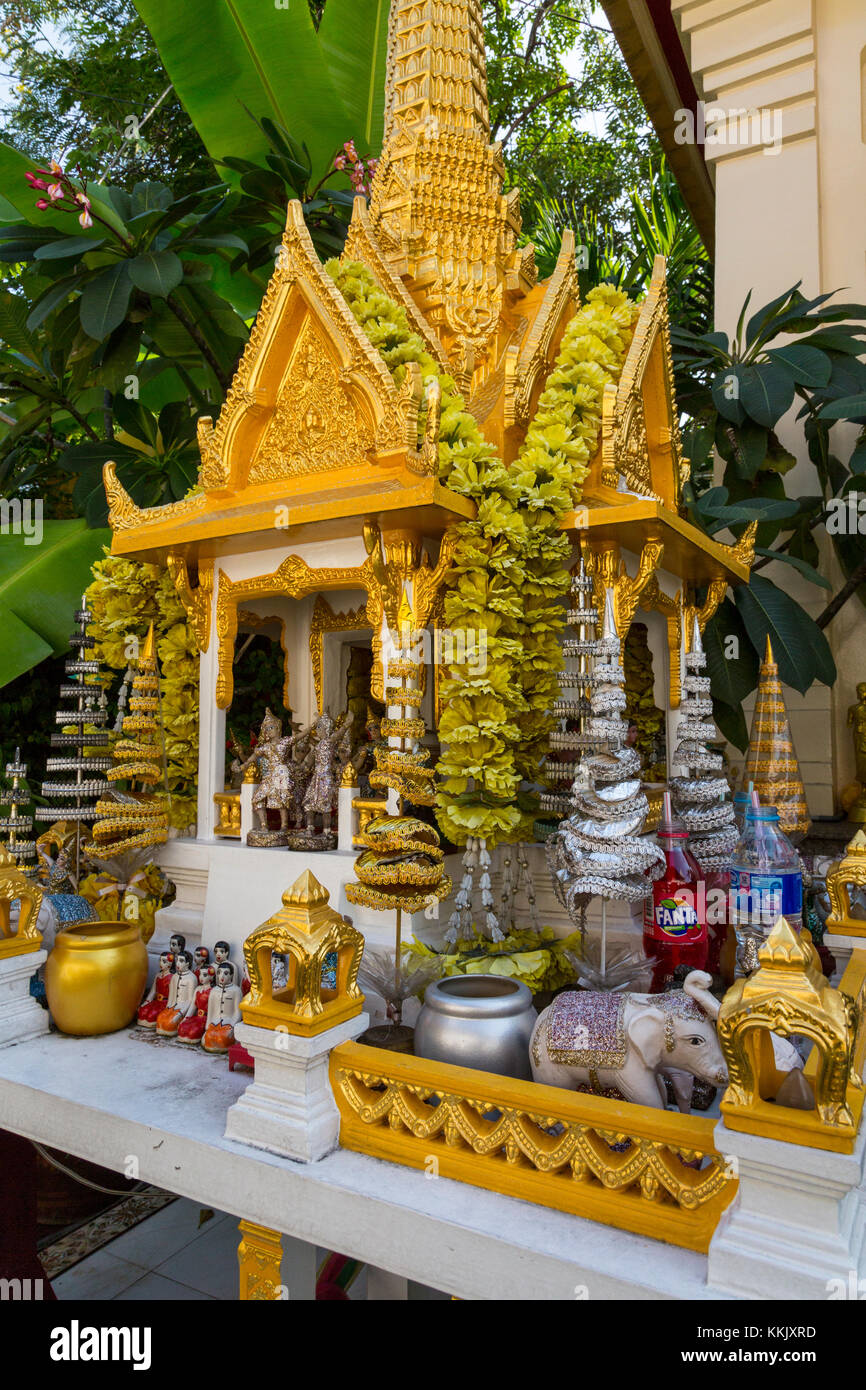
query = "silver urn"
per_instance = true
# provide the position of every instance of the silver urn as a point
(480, 1021)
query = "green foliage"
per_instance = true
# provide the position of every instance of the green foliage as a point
(40, 587)
(659, 224)
(735, 392)
(83, 70)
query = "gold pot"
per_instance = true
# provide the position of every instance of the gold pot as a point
(95, 977)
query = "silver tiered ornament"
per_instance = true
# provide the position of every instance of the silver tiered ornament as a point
(15, 796)
(83, 781)
(597, 851)
(572, 708)
(702, 798)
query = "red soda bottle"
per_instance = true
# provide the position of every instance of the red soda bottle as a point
(675, 930)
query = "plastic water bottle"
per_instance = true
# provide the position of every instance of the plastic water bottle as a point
(766, 882)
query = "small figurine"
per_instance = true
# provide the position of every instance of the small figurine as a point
(191, 1029)
(222, 953)
(156, 998)
(223, 1010)
(181, 997)
(321, 793)
(275, 790)
(176, 944)
(202, 958)
(857, 721)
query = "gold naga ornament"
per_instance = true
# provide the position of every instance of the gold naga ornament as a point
(306, 930)
(17, 887)
(128, 821)
(771, 760)
(789, 995)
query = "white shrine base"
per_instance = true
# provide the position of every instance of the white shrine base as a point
(21, 1017)
(226, 888)
(114, 1099)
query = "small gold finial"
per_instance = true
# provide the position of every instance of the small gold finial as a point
(307, 890)
(148, 651)
(768, 652)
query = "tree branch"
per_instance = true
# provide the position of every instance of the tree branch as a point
(851, 586)
(200, 341)
(533, 106)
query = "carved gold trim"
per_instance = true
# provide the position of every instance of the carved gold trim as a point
(324, 620)
(640, 426)
(228, 806)
(125, 515)
(397, 560)
(655, 599)
(294, 578)
(527, 365)
(197, 601)
(790, 995)
(609, 572)
(547, 1145)
(260, 1255)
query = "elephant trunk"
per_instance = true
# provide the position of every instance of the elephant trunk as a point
(696, 985)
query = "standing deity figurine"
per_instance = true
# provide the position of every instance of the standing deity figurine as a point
(857, 720)
(274, 790)
(322, 790)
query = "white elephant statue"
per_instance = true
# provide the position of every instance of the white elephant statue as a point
(631, 1042)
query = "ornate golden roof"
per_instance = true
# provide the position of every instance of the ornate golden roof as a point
(313, 425)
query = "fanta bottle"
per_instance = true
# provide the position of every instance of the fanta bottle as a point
(675, 928)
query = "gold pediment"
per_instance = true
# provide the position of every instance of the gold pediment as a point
(641, 450)
(310, 393)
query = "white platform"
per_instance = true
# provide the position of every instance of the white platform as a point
(106, 1099)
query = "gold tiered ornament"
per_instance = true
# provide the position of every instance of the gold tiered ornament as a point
(771, 762)
(401, 867)
(127, 820)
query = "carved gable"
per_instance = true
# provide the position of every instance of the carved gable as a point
(310, 393)
(318, 422)
(640, 431)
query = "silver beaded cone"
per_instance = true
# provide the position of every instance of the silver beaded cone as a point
(701, 799)
(597, 851)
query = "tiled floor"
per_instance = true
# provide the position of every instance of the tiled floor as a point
(184, 1251)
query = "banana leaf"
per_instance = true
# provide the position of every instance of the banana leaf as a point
(325, 88)
(40, 589)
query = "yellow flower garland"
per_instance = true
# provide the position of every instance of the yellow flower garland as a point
(124, 596)
(509, 571)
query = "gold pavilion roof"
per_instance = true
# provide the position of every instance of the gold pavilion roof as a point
(315, 438)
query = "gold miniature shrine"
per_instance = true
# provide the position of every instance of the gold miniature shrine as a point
(17, 887)
(847, 872)
(306, 930)
(789, 995)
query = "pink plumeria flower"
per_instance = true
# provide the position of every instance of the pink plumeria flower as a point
(85, 219)
(55, 191)
(340, 161)
(42, 204)
(35, 182)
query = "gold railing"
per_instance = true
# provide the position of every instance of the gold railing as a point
(649, 1171)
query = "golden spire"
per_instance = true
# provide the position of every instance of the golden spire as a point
(437, 206)
(148, 651)
(771, 760)
(436, 67)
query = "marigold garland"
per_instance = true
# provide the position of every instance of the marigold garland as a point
(509, 571)
(123, 598)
